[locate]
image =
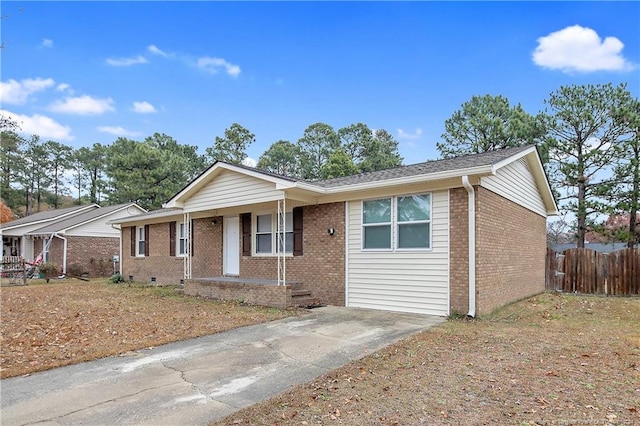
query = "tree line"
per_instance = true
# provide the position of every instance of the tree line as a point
(38, 173)
(587, 136)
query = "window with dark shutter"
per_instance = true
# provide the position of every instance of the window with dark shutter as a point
(297, 231)
(133, 241)
(246, 234)
(172, 239)
(146, 240)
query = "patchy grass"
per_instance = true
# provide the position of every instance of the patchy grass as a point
(549, 360)
(66, 322)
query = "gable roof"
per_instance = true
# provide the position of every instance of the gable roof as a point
(482, 164)
(80, 219)
(48, 216)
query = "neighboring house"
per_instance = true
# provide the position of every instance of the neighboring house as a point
(464, 235)
(80, 240)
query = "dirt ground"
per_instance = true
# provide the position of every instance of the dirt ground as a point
(43, 326)
(549, 360)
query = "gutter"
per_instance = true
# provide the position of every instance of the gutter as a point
(472, 244)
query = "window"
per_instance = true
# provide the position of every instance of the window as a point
(263, 234)
(286, 237)
(376, 223)
(402, 223)
(140, 241)
(414, 222)
(181, 239)
(266, 238)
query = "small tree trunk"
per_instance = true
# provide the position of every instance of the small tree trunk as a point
(582, 215)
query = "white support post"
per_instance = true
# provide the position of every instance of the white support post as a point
(186, 218)
(281, 241)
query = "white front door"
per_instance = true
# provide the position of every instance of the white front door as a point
(231, 243)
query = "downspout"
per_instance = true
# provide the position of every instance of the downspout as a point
(472, 244)
(119, 228)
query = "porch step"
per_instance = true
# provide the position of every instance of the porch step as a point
(301, 298)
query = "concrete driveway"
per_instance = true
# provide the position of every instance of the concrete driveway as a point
(204, 379)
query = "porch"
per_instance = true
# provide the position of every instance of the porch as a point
(252, 291)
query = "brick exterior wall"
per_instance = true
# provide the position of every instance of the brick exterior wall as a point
(255, 294)
(85, 255)
(511, 250)
(158, 264)
(459, 251)
(321, 268)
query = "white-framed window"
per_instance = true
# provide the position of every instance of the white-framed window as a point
(140, 241)
(265, 234)
(181, 239)
(413, 217)
(376, 224)
(397, 223)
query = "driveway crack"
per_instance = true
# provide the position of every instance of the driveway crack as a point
(61, 416)
(183, 377)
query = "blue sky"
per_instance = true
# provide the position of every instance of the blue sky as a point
(86, 72)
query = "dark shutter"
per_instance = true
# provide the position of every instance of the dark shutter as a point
(146, 240)
(133, 240)
(297, 231)
(246, 234)
(172, 238)
(192, 237)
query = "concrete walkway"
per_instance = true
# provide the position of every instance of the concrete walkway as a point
(204, 379)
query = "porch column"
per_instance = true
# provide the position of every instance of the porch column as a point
(186, 218)
(281, 241)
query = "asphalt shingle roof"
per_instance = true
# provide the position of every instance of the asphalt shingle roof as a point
(43, 216)
(72, 221)
(434, 166)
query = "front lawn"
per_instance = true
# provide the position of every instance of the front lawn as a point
(69, 321)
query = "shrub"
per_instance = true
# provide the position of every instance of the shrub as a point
(49, 270)
(116, 278)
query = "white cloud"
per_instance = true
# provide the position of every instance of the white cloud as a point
(118, 131)
(411, 136)
(126, 62)
(16, 92)
(83, 105)
(580, 49)
(45, 127)
(156, 51)
(249, 162)
(143, 107)
(46, 42)
(214, 65)
(63, 87)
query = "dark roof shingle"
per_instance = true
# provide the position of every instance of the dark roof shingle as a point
(434, 166)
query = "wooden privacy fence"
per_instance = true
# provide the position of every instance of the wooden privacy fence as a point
(581, 270)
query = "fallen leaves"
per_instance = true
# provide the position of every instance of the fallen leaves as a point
(513, 367)
(50, 325)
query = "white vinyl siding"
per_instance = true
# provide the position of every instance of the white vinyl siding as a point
(403, 280)
(516, 183)
(231, 189)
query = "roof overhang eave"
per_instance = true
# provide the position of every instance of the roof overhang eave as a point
(143, 218)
